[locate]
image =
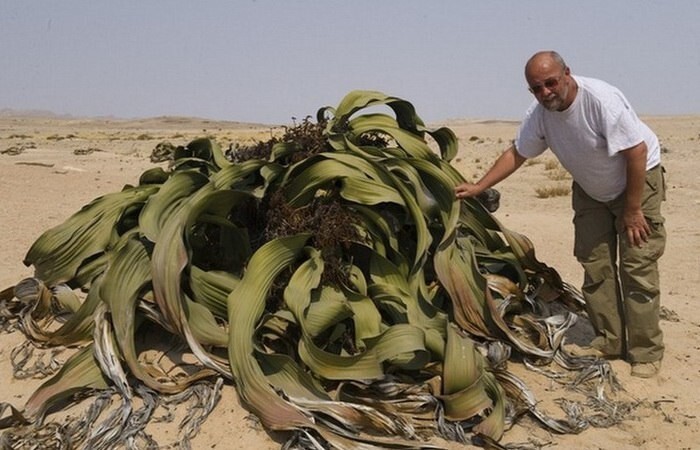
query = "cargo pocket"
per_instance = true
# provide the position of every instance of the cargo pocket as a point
(663, 183)
(654, 194)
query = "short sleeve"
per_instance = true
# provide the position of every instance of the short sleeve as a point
(530, 140)
(622, 127)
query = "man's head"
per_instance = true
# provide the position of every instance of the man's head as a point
(550, 80)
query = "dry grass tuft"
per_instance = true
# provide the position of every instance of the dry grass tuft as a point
(553, 191)
(551, 164)
(558, 174)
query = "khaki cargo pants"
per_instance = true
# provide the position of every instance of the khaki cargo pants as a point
(621, 282)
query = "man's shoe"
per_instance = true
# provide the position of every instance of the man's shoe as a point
(645, 369)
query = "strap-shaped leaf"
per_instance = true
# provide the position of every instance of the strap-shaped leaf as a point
(162, 206)
(211, 288)
(390, 288)
(79, 374)
(125, 280)
(245, 305)
(59, 252)
(464, 391)
(411, 143)
(401, 345)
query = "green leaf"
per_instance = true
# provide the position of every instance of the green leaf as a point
(172, 195)
(245, 305)
(79, 374)
(59, 252)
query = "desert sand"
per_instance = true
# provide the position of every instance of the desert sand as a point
(52, 166)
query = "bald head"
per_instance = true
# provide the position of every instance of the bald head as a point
(544, 61)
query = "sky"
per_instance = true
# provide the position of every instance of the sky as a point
(272, 61)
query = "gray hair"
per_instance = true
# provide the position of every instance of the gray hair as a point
(547, 54)
(557, 57)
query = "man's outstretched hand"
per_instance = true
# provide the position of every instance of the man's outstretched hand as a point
(490, 197)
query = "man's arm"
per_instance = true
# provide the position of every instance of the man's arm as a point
(506, 164)
(633, 220)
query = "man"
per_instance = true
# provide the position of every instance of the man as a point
(614, 159)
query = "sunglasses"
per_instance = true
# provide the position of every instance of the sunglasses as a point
(549, 83)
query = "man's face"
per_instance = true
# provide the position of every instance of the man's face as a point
(551, 86)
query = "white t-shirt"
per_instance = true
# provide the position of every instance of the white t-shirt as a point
(588, 136)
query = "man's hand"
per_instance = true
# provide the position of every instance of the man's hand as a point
(465, 190)
(636, 227)
(506, 164)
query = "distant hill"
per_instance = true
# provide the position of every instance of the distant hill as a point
(159, 121)
(9, 112)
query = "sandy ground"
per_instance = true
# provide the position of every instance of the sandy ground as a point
(61, 164)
